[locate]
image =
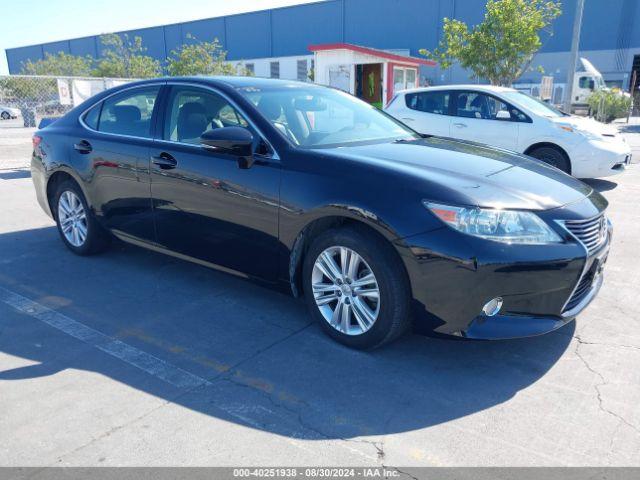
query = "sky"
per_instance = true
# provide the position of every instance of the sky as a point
(28, 22)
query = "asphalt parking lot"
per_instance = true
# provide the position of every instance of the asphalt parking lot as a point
(134, 358)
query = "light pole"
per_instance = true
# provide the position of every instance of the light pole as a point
(573, 60)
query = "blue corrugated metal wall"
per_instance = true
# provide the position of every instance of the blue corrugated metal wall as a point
(412, 24)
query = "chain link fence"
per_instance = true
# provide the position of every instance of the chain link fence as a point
(25, 100)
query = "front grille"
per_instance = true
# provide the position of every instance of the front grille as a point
(581, 291)
(592, 232)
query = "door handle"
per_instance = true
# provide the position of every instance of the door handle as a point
(165, 161)
(460, 125)
(83, 147)
(407, 119)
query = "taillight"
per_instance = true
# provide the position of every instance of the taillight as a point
(36, 141)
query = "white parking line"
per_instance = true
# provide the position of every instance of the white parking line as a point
(148, 363)
(158, 368)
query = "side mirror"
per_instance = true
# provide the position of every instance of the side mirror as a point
(503, 115)
(236, 141)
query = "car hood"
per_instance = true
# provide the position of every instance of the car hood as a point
(466, 173)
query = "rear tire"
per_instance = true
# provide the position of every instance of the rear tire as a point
(5, 116)
(372, 268)
(78, 228)
(553, 157)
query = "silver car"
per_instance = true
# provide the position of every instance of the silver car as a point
(7, 113)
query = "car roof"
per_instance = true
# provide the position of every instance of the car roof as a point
(477, 87)
(228, 81)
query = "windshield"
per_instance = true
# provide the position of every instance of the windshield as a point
(315, 117)
(534, 105)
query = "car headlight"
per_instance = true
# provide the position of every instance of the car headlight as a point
(586, 134)
(507, 226)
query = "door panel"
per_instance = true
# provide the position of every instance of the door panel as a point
(118, 153)
(206, 207)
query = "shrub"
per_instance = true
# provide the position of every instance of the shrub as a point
(607, 105)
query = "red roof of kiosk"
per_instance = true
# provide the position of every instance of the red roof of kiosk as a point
(372, 51)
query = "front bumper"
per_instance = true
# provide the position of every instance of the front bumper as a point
(597, 159)
(543, 287)
(501, 327)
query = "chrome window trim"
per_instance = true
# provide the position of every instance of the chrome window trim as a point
(121, 135)
(273, 156)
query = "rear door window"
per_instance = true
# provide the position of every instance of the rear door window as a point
(429, 102)
(92, 116)
(129, 113)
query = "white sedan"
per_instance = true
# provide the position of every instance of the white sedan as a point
(509, 119)
(7, 113)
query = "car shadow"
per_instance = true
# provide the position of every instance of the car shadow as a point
(266, 365)
(601, 185)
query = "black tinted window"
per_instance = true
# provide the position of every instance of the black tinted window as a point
(586, 82)
(487, 107)
(92, 116)
(129, 113)
(430, 102)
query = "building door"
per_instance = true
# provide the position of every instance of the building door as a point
(369, 83)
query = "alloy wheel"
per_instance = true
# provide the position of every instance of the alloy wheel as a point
(72, 218)
(345, 290)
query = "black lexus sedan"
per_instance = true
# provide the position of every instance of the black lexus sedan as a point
(310, 189)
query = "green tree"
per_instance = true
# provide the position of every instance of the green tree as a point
(60, 64)
(502, 47)
(202, 58)
(124, 58)
(25, 90)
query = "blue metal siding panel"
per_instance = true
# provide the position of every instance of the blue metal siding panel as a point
(54, 48)
(562, 29)
(205, 30)
(469, 11)
(412, 24)
(17, 56)
(83, 46)
(248, 35)
(172, 37)
(152, 40)
(295, 28)
(391, 23)
(604, 24)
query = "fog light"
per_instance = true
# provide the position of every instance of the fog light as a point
(492, 307)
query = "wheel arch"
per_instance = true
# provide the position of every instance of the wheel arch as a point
(55, 179)
(555, 146)
(319, 225)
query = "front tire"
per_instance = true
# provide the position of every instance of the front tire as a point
(78, 228)
(553, 157)
(356, 288)
(5, 116)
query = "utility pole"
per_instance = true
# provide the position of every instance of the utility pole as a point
(573, 61)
